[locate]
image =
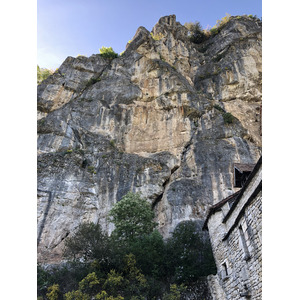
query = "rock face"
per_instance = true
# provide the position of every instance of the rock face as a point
(151, 121)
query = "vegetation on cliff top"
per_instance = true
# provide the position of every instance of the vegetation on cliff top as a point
(133, 263)
(43, 74)
(197, 34)
(108, 52)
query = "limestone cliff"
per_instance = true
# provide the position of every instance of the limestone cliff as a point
(150, 121)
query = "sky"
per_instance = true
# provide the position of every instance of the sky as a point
(73, 27)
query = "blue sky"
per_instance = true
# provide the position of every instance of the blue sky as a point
(72, 27)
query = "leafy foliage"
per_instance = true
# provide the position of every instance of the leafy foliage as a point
(133, 263)
(195, 32)
(108, 52)
(150, 254)
(76, 295)
(223, 21)
(89, 242)
(53, 292)
(114, 282)
(175, 292)
(92, 81)
(219, 24)
(89, 283)
(135, 281)
(132, 217)
(157, 37)
(190, 255)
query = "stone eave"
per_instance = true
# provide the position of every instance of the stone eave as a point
(241, 213)
(217, 207)
(238, 195)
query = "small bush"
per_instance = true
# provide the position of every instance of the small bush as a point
(108, 52)
(91, 169)
(112, 143)
(195, 32)
(157, 37)
(214, 30)
(43, 74)
(223, 21)
(219, 108)
(220, 23)
(92, 81)
(228, 118)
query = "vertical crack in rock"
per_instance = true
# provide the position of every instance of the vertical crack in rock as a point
(166, 182)
(50, 197)
(77, 135)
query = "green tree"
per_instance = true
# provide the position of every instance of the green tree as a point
(149, 251)
(190, 254)
(132, 217)
(90, 242)
(108, 52)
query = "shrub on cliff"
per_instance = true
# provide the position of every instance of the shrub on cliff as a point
(108, 52)
(228, 118)
(219, 24)
(195, 32)
(43, 74)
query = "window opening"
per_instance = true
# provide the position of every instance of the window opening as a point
(241, 173)
(245, 247)
(224, 271)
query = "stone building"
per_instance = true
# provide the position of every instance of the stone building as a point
(235, 230)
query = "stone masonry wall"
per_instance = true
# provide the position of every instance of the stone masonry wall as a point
(241, 251)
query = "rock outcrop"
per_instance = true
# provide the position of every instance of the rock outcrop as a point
(150, 121)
